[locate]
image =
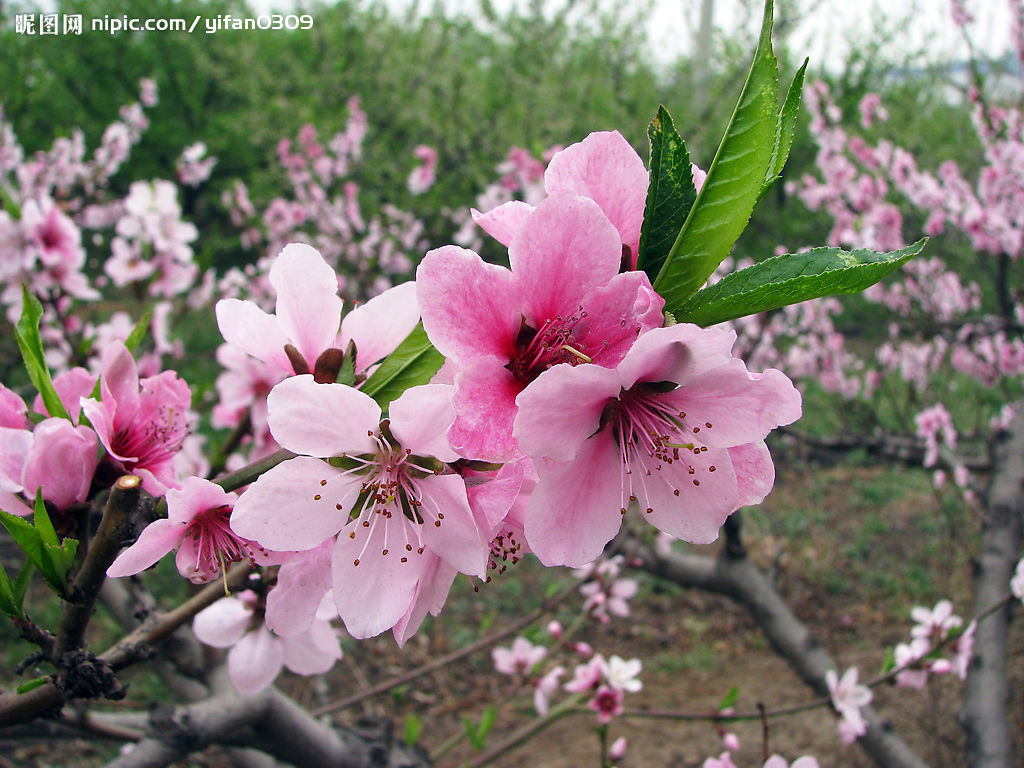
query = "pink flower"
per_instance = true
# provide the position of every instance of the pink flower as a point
(55, 456)
(607, 703)
(621, 674)
(141, 423)
(546, 687)
(617, 750)
(399, 512)
(519, 659)
(257, 654)
(678, 427)
(12, 409)
(1017, 582)
(197, 526)
(848, 697)
(604, 168)
(562, 302)
(587, 676)
(422, 177)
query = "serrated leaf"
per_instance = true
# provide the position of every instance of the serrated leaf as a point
(25, 536)
(22, 581)
(32, 684)
(730, 698)
(414, 362)
(790, 279)
(413, 729)
(733, 185)
(347, 372)
(26, 330)
(670, 195)
(786, 129)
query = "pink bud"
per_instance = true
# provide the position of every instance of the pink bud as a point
(617, 750)
(554, 629)
(731, 741)
(583, 649)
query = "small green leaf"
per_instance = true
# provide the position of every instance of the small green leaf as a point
(414, 362)
(32, 684)
(347, 373)
(790, 279)
(730, 698)
(413, 729)
(31, 345)
(47, 534)
(54, 561)
(785, 130)
(670, 194)
(21, 583)
(733, 186)
(8, 603)
(477, 732)
(889, 662)
(25, 536)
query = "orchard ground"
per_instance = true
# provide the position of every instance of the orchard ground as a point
(852, 547)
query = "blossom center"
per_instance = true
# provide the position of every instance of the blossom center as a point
(537, 349)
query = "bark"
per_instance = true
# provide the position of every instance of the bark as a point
(985, 716)
(276, 726)
(738, 578)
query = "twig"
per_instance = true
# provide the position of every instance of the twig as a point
(247, 474)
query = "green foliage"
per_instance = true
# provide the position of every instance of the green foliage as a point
(785, 130)
(477, 732)
(789, 279)
(31, 345)
(413, 729)
(414, 362)
(52, 557)
(670, 195)
(733, 184)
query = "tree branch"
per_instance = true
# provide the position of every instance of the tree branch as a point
(739, 579)
(984, 716)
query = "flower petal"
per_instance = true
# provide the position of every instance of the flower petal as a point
(156, 540)
(302, 581)
(255, 662)
(755, 472)
(313, 652)
(420, 419)
(575, 508)
(677, 353)
(308, 306)
(322, 419)
(381, 324)
(458, 539)
(223, 623)
(296, 505)
(467, 304)
(502, 222)
(566, 248)
(247, 327)
(485, 407)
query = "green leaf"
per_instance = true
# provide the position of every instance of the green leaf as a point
(790, 279)
(347, 372)
(25, 536)
(47, 534)
(670, 194)
(8, 203)
(477, 732)
(8, 604)
(21, 583)
(413, 729)
(730, 698)
(31, 345)
(414, 362)
(32, 684)
(723, 207)
(785, 130)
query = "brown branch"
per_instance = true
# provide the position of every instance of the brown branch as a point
(739, 579)
(984, 716)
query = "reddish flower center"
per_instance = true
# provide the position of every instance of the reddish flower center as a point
(536, 350)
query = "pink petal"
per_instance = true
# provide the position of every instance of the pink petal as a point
(374, 595)
(302, 581)
(62, 461)
(313, 652)
(13, 505)
(617, 313)
(755, 472)
(281, 510)
(256, 661)
(678, 353)
(698, 511)
(156, 540)
(15, 444)
(120, 388)
(71, 387)
(247, 327)
(322, 419)
(420, 419)
(381, 324)
(575, 508)
(308, 306)
(467, 304)
(223, 623)
(485, 394)
(431, 593)
(561, 408)
(741, 407)
(458, 540)
(605, 168)
(12, 409)
(566, 248)
(503, 222)
(196, 496)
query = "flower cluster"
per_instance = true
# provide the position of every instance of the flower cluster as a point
(937, 631)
